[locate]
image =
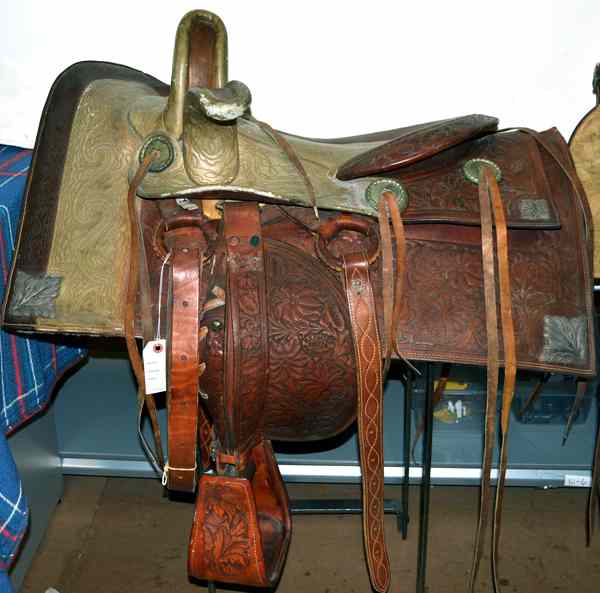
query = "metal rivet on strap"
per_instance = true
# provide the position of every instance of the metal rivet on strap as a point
(376, 189)
(473, 167)
(357, 286)
(163, 145)
(216, 324)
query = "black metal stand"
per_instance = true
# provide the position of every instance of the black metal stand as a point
(408, 381)
(425, 482)
(342, 506)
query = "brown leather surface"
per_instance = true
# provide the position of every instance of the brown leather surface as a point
(452, 327)
(310, 393)
(184, 362)
(242, 525)
(246, 338)
(510, 363)
(418, 145)
(493, 350)
(202, 55)
(368, 356)
(495, 255)
(399, 273)
(439, 192)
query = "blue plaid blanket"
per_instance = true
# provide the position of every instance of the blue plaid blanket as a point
(30, 367)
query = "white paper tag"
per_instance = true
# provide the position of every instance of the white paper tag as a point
(578, 481)
(155, 366)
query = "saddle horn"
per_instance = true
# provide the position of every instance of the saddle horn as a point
(202, 106)
(199, 60)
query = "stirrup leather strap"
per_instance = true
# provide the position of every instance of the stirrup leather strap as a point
(246, 347)
(186, 277)
(367, 349)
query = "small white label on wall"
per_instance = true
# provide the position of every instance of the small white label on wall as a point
(155, 366)
(578, 481)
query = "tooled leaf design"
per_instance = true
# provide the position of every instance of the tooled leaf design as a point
(565, 339)
(34, 295)
(226, 533)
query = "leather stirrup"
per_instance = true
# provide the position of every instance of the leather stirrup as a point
(242, 524)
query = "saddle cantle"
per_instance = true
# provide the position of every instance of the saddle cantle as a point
(265, 263)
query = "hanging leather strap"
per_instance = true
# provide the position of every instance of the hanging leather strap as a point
(492, 213)
(491, 321)
(289, 151)
(510, 357)
(186, 276)
(246, 348)
(393, 280)
(367, 350)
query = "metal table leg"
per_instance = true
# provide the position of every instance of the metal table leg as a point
(408, 394)
(425, 482)
(340, 506)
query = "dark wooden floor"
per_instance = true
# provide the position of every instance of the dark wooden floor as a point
(122, 535)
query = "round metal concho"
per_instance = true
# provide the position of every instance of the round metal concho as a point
(164, 146)
(472, 169)
(376, 189)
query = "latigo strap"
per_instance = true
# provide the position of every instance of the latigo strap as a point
(492, 211)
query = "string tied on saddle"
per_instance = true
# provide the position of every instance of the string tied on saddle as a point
(166, 259)
(290, 153)
(167, 468)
